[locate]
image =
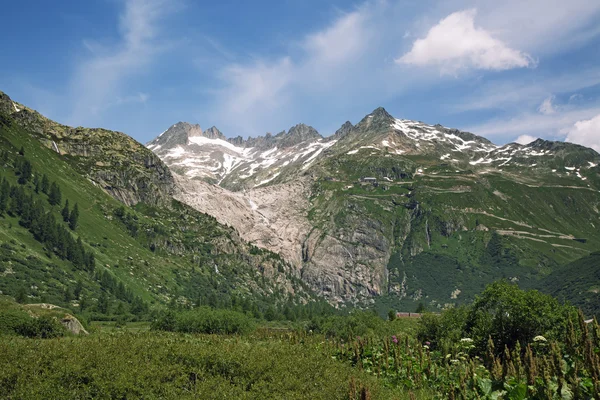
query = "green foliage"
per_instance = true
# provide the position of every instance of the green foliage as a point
(54, 195)
(205, 320)
(19, 322)
(503, 312)
(74, 217)
(357, 323)
(163, 365)
(577, 282)
(65, 211)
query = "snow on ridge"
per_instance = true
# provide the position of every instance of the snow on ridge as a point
(201, 140)
(592, 165)
(17, 109)
(421, 132)
(175, 152)
(268, 179)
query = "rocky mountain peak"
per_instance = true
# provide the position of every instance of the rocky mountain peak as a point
(344, 130)
(297, 134)
(214, 133)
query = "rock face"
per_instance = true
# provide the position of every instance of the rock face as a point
(112, 160)
(73, 325)
(273, 217)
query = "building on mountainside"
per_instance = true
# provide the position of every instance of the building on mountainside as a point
(368, 179)
(408, 315)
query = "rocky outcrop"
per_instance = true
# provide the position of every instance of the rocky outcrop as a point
(272, 218)
(112, 160)
(73, 325)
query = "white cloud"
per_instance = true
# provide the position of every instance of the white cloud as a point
(586, 133)
(270, 90)
(525, 139)
(547, 107)
(552, 127)
(99, 80)
(456, 43)
(517, 93)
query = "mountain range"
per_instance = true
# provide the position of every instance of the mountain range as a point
(387, 211)
(394, 208)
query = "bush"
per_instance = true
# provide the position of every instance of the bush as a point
(443, 330)
(205, 320)
(11, 320)
(503, 312)
(20, 323)
(360, 323)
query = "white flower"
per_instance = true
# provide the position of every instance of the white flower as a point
(466, 340)
(539, 338)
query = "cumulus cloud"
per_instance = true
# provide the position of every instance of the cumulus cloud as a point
(456, 43)
(525, 139)
(586, 133)
(547, 107)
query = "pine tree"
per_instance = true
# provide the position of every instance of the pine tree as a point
(74, 217)
(22, 151)
(54, 197)
(4, 195)
(78, 290)
(67, 295)
(21, 295)
(25, 171)
(37, 183)
(103, 303)
(45, 184)
(65, 211)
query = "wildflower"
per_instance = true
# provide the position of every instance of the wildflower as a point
(394, 339)
(466, 340)
(539, 339)
(428, 343)
(426, 347)
(454, 361)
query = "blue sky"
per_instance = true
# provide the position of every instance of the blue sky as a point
(510, 70)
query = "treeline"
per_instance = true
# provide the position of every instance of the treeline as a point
(112, 285)
(41, 222)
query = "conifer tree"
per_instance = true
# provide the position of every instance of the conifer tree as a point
(37, 183)
(45, 184)
(78, 289)
(54, 197)
(25, 171)
(65, 211)
(74, 217)
(4, 195)
(103, 303)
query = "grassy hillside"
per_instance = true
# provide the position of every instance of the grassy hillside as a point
(449, 231)
(143, 256)
(578, 283)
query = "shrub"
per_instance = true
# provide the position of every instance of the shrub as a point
(360, 323)
(443, 330)
(503, 312)
(20, 323)
(205, 320)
